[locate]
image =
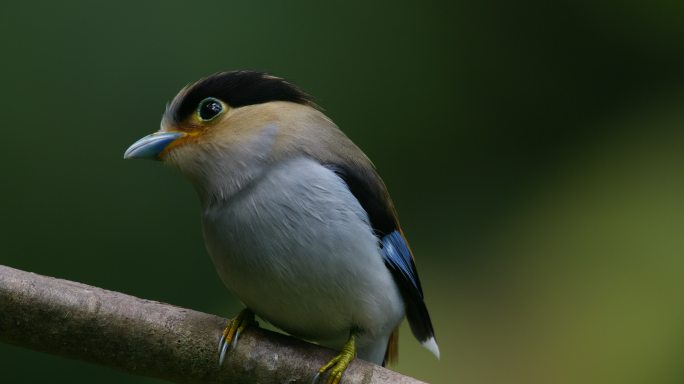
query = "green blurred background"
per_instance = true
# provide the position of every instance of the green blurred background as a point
(534, 149)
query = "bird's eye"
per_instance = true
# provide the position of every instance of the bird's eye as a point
(209, 108)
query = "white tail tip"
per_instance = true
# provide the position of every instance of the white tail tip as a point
(431, 345)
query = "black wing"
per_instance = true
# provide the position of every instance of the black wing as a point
(369, 190)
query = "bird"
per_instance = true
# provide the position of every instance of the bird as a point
(295, 217)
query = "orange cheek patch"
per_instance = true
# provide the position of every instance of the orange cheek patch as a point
(192, 130)
(188, 137)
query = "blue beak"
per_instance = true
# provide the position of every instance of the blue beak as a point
(151, 146)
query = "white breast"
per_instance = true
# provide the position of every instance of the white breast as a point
(296, 247)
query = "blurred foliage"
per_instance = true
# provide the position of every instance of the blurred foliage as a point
(534, 149)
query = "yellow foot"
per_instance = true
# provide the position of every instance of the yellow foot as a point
(338, 364)
(232, 332)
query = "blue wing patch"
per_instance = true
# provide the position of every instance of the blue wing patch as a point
(398, 258)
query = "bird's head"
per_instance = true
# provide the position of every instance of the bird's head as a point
(222, 129)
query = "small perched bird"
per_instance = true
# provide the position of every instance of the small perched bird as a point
(295, 217)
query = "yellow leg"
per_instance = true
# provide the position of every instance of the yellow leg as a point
(338, 364)
(232, 332)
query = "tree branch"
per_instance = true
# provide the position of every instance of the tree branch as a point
(154, 339)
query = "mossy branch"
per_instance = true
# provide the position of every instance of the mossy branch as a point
(154, 339)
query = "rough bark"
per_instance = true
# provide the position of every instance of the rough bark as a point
(154, 339)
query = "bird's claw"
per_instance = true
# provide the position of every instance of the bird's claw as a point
(338, 364)
(232, 332)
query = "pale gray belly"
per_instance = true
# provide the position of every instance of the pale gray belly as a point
(298, 250)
